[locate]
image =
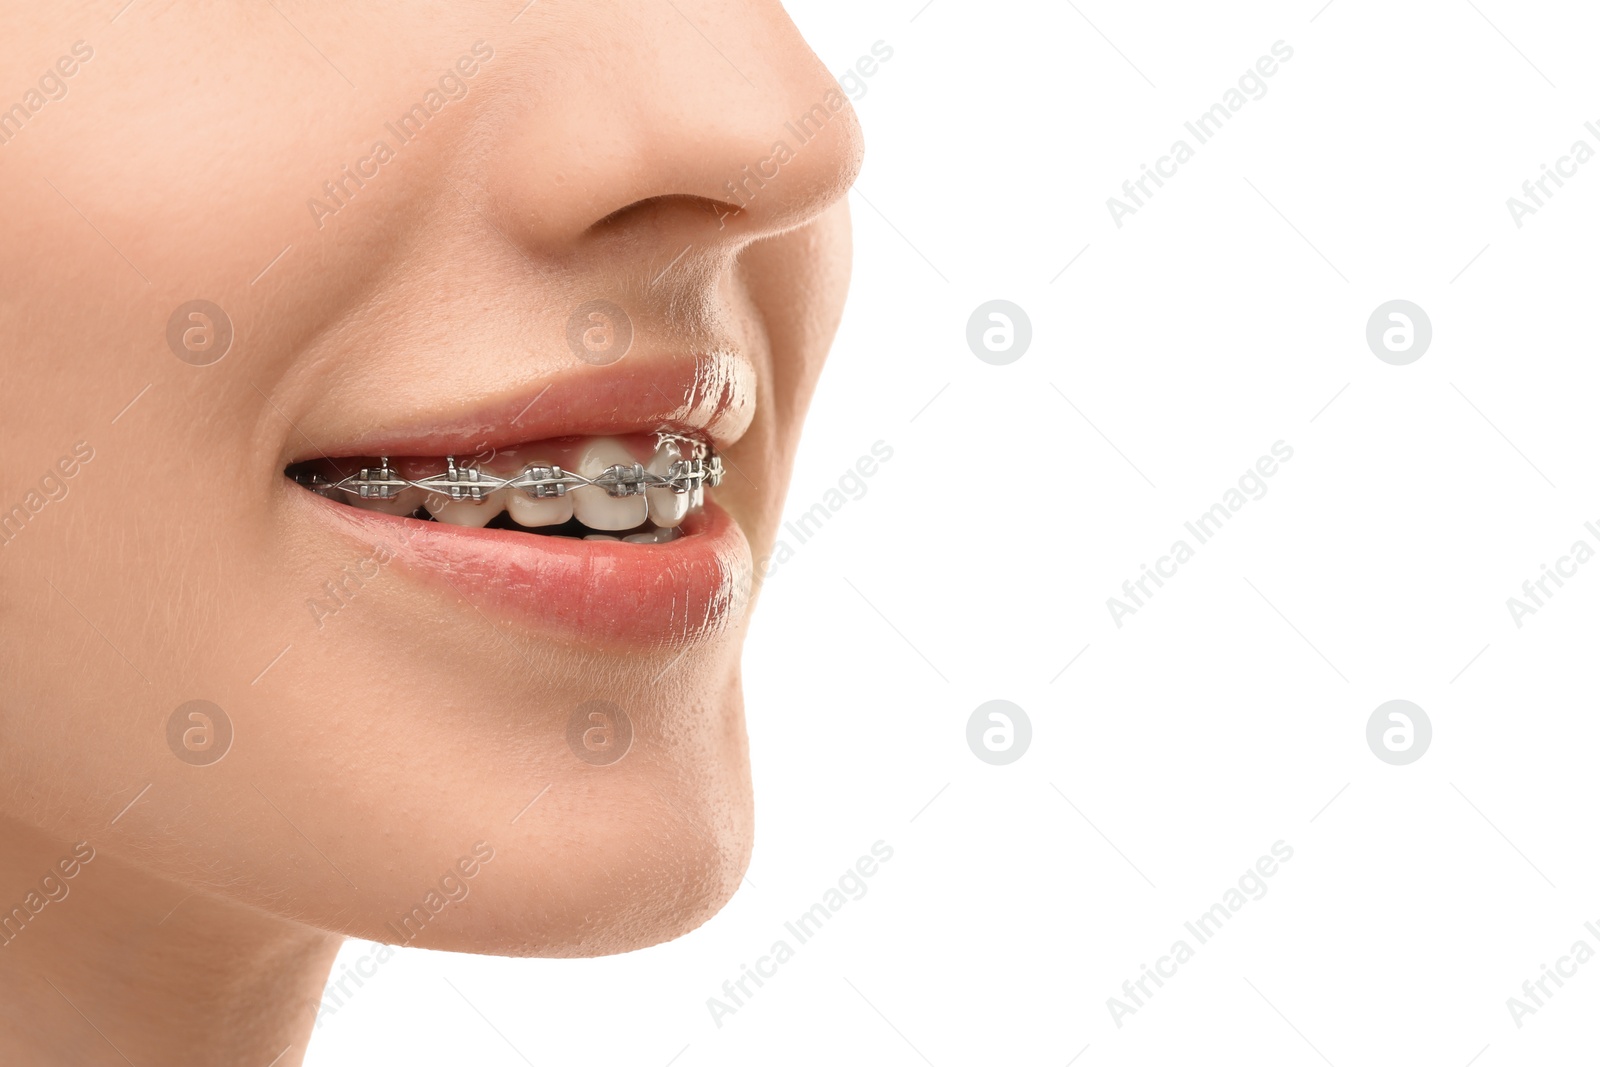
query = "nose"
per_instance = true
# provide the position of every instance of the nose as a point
(705, 121)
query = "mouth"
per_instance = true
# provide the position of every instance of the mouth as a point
(608, 539)
(580, 507)
(636, 490)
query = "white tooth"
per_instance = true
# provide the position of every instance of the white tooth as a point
(593, 506)
(599, 537)
(404, 504)
(641, 539)
(544, 511)
(667, 508)
(465, 512)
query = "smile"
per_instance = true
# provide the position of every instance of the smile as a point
(609, 539)
(596, 489)
(581, 508)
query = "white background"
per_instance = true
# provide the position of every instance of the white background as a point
(1230, 712)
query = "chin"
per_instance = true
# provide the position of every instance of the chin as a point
(572, 859)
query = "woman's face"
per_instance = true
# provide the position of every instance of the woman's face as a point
(244, 239)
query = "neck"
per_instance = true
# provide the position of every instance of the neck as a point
(107, 964)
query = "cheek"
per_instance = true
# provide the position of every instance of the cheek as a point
(798, 283)
(188, 596)
(795, 286)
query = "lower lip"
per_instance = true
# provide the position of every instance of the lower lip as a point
(615, 591)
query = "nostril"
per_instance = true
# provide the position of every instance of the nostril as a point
(671, 207)
(656, 140)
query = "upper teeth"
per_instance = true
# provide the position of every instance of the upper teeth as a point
(623, 505)
(668, 506)
(541, 506)
(663, 490)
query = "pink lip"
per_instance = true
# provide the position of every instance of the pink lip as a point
(609, 591)
(707, 395)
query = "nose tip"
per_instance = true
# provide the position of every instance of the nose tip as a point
(812, 163)
(732, 120)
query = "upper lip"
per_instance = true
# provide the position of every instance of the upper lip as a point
(607, 591)
(705, 395)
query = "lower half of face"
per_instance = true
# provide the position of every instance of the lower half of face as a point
(324, 624)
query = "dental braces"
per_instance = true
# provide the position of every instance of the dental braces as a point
(471, 483)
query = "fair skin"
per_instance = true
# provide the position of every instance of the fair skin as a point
(404, 738)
